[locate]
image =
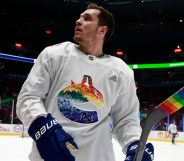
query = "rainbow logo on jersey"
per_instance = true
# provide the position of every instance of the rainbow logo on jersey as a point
(80, 102)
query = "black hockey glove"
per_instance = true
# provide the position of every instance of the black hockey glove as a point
(51, 140)
(148, 154)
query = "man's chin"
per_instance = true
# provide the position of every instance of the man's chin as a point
(76, 39)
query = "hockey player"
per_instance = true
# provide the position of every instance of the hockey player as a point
(173, 130)
(74, 91)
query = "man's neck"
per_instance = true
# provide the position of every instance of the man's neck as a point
(91, 50)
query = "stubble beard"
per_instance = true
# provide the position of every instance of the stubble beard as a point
(76, 39)
(79, 40)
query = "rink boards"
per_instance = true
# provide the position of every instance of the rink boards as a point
(20, 130)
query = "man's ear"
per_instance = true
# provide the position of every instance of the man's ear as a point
(103, 30)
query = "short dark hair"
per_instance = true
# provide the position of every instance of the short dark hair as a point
(105, 19)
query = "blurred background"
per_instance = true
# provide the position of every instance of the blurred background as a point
(147, 32)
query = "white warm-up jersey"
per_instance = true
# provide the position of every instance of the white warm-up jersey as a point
(172, 128)
(85, 94)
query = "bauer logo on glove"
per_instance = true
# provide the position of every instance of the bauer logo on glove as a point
(148, 154)
(44, 128)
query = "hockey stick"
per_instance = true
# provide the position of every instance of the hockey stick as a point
(167, 107)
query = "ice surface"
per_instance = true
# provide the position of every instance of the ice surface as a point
(13, 148)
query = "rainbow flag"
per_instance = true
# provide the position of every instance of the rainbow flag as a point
(173, 103)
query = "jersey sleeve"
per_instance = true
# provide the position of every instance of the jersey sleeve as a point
(169, 128)
(30, 101)
(126, 124)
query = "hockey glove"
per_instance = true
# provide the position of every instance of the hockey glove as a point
(148, 154)
(51, 139)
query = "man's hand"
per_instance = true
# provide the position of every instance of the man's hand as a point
(52, 142)
(148, 154)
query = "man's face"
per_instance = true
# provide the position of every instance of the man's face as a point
(86, 29)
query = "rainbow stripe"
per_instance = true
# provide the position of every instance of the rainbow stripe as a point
(173, 103)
